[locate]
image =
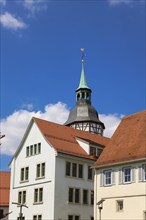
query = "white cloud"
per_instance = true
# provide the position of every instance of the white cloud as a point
(2, 2)
(11, 22)
(15, 124)
(117, 2)
(28, 106)
(35, 6)
(111, 122)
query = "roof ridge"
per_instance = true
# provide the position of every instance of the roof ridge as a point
(134, 114)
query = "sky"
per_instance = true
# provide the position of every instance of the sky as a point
(40, 62)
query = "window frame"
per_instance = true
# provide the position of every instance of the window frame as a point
(33, 149)
(144, 172)
(40, 170)
(73, 217)
(72, 169)
(87, 197)
(74, 199)
(107, 178)
(125, 175)
(22, 197)
(36, 217)
(24, 171)
(90, 173)
(118, 206)
(38, 194)
(91, 197)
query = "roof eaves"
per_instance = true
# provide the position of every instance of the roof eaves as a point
(78, 155)
(96, 166)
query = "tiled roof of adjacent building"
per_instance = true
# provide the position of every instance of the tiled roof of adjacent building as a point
(62, 138)
(4, 188)
(128, 142)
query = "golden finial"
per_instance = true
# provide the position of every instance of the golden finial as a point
(83, 54)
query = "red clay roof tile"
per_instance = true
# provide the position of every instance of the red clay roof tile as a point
(4, 188)
(128, 142)
(63, 139)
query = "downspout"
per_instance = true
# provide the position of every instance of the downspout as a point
(95, 199)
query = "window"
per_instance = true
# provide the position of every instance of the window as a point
(39, 148)
(21, 218)
(74, 195)
(33, 149)
(144, 215)
(142, 172)
(24, 174)
(126, 174)
(107, 177)
(73, 217)
(90, 173)
(27, 151)
(93, 151)
(92, 197)
(22, 197)
(1, 213)
(68, 168)
(85, 196)
(37, 217)
(80, 171)
(119, 205)
(74, 170)
(70, 217)
(40, 173)
(77, 195)
(70, 195)
(38, 195)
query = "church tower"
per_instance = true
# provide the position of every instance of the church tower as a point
(84, 116)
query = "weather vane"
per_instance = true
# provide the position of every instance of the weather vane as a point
(83, 54)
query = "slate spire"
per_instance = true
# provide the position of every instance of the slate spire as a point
(84, 116)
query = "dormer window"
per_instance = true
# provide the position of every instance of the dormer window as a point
(94, 151)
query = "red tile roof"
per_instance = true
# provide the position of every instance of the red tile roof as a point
(4, 188)
(62, 138)
(128, 142)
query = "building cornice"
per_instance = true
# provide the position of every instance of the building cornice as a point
(119, 163)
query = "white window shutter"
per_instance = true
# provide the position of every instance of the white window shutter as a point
(140, 173)
(120, 176)
(101, 178)
(133, 174)
(113, 177)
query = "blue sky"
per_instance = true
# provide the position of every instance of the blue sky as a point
(40, 61)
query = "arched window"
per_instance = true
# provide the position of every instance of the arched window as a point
(83, 95)
(78, 96)
(87, 96)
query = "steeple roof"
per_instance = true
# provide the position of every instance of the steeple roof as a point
(83, 83)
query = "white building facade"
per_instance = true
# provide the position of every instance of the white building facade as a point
(51, 173)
